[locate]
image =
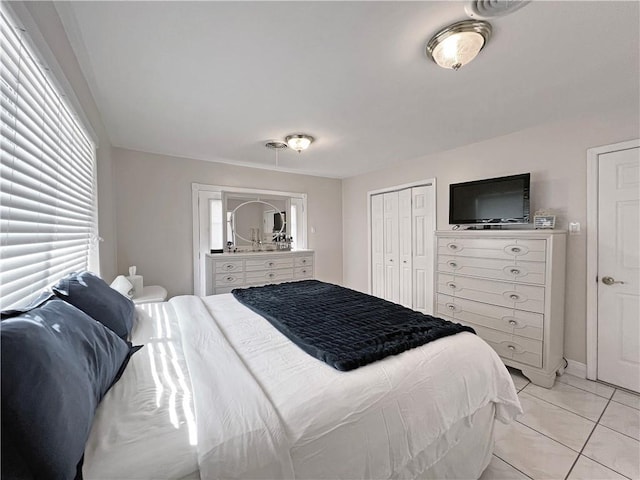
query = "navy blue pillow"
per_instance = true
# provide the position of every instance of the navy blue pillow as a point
(93, 296)
(56, 364)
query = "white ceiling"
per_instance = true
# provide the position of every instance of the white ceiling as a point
(216, 80)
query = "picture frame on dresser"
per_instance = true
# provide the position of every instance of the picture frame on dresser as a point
(509, 286)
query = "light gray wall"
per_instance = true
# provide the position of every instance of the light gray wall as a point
(56, 44)
(154, 218)
(555, 154)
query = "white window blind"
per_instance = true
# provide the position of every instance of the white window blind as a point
(47, 194)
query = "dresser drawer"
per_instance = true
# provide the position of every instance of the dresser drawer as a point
(307, 260)
(303, 272)
(511, 295)
(228, 279)
(499, 269)
(228, 266)
(269, 276)
(514, 347)
(499, 248)
(518, 322)
(268, 263)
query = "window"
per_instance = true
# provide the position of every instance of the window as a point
(47, 164)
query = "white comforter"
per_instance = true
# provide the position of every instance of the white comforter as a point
(145, 426)
(266, 409)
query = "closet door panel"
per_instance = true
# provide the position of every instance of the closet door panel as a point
(377, 246)
(391, 247)
(405, 244)
(423, 226)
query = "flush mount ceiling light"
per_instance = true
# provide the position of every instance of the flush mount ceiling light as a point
(299, 141)
(458, 44)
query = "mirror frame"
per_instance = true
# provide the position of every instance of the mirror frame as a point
(233, 220)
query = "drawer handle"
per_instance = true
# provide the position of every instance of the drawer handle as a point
(513, 323)
(515, 271)
(304, 271)
(452, 285)
(271, 275)
(453, 264)
(229, 279)
(515, 249)
(451, 306)
(513, 296)
(228, 266)
(270, 264)
(511, 347)
(453, 246)
(304, 260)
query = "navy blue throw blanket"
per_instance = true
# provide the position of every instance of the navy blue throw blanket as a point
(344, 328)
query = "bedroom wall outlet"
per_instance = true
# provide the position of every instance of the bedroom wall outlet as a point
(574, 228)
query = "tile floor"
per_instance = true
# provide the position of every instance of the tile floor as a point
(577, 430)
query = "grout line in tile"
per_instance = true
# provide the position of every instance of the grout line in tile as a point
(550, 438)
(605, 466)
(523, 387)
(589, 438)
(614, 430)
(588, 391)
(566, 409)
(513, 466)
(624, 404)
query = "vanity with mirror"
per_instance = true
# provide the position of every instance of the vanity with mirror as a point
(247, 237)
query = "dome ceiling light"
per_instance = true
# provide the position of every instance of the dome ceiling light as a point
(299, 141)
(458, 44)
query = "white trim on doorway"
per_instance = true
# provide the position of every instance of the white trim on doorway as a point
(593, 155)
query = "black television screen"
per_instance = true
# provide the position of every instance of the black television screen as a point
(494, 201)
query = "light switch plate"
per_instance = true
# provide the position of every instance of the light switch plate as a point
(574, 228)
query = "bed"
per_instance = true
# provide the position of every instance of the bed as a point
(218, 392)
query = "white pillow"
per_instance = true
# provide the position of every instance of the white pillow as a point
(122, 286)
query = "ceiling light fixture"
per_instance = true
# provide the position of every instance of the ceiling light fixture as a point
(458, 44)
(299, 141)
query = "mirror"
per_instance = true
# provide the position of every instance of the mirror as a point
(257, 223)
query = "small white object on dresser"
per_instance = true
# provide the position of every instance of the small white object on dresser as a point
(226, 271)
(509, 286)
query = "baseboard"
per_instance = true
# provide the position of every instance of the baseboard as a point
(576, 369)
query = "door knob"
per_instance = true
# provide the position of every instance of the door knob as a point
(611, 281)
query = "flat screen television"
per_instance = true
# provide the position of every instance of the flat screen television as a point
(493, 201)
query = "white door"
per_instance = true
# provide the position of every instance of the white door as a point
(391, 248)
(377, 246)
(404, 211)
(423, 220)
(619, 268)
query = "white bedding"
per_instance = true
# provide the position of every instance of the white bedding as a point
(266, 409)
(145, 425)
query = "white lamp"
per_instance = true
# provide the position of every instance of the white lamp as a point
(458, 44)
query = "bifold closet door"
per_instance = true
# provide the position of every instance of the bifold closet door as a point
(423, 226)
(391, 247)
(405, 247)
(377, 246)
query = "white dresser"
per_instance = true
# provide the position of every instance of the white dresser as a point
(226, 271)
(509, 286)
